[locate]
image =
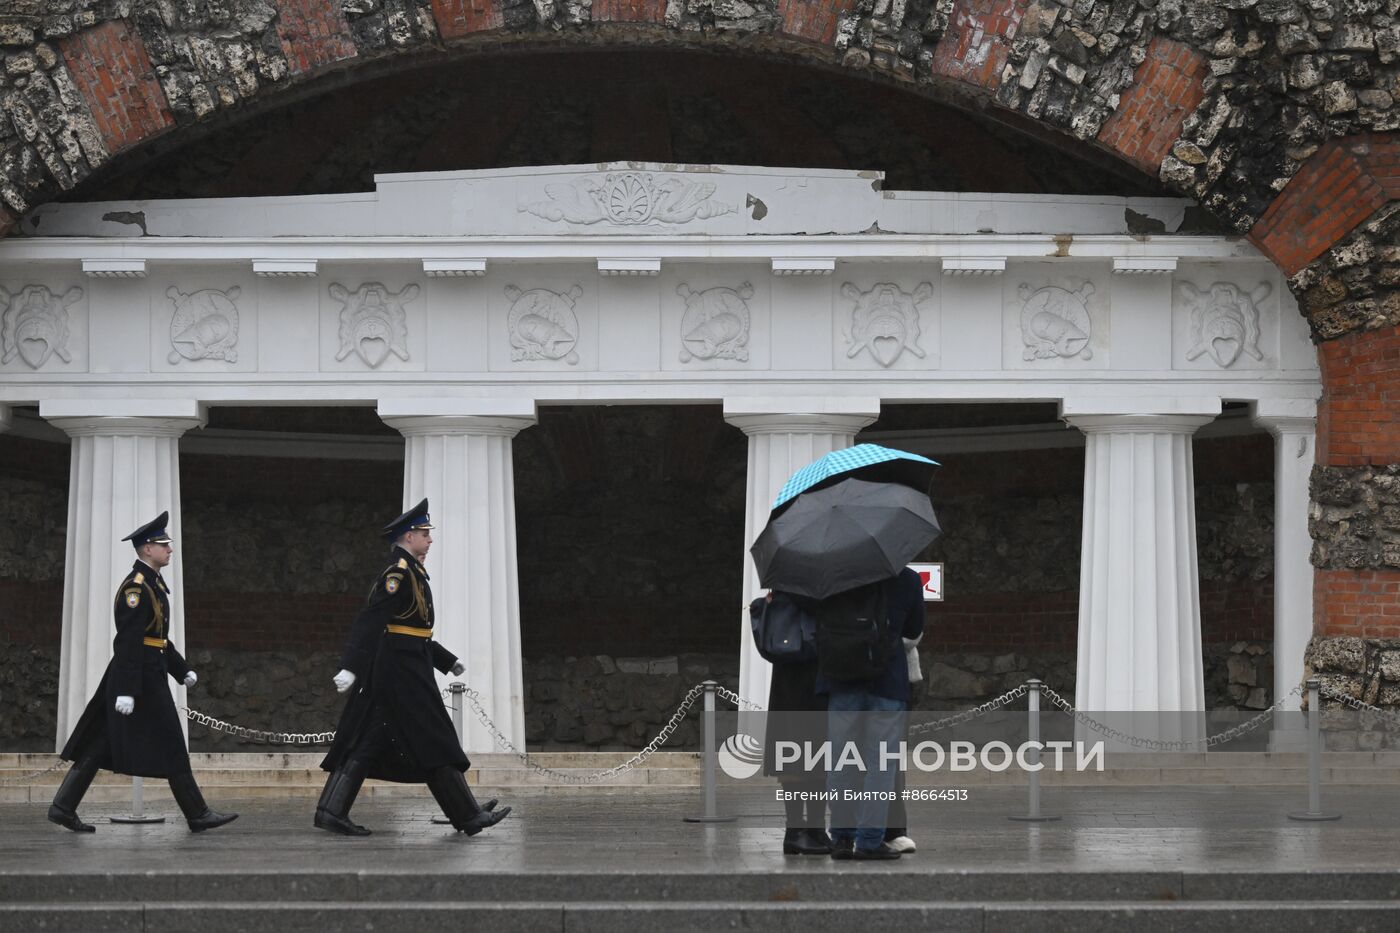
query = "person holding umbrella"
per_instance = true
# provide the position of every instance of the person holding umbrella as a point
(841, 532)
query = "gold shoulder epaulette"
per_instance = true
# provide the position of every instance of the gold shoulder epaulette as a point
(403, 564)
(138, 578)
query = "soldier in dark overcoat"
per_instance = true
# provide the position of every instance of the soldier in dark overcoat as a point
(130, 725)
(394, 726)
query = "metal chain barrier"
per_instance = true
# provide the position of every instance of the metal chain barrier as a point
(1169, 745)
(259, 735)
(1359, 705)
(594, 777)
(971, 714)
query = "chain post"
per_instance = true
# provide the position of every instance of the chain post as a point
(1033, 774)
(1314, 811)
(458, 688)
(711, 754)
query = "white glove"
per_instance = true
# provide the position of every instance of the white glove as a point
(343, 681)
(459, 669)
(191, 678)
(126, 705)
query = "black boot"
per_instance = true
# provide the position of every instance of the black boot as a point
(191, 803)
(333, 809)
(64, 809)
(450, 790)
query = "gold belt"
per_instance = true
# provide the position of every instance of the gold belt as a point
(410, 630)
(153, 642)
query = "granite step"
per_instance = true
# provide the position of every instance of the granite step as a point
(866, 898)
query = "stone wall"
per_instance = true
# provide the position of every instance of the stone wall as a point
(1362, 669)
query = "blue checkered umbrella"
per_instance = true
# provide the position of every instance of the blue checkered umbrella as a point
(863, 461)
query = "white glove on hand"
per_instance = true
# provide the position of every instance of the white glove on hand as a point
(126, 705)
(459, 669)
(191, 678)
(343, 681)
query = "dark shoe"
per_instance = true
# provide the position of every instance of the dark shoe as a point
(843, 849)
(802, 842)
(484, 820)
(333, 809)
(450, 790)
(69, 820)
(880, 854)
(210, 819)
(192, 805)
(329, 821)
(64, 810)
(805, 842)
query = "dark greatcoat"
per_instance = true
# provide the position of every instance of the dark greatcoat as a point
(394, 681)
(796, 713)
(149, 742)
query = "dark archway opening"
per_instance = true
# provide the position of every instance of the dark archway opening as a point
(586, 106)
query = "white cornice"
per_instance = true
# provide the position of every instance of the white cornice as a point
(765, 249)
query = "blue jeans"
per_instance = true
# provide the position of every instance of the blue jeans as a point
(868, 723)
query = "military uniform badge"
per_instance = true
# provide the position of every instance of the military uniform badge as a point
(392, 584)
(133, 598)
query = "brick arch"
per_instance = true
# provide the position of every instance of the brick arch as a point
(1189, 94)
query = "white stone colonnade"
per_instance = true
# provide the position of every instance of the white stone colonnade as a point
(124, 471)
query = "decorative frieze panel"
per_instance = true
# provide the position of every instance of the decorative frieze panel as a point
(373, 322)
(1224, 323)
(1055, 322)
(37, 328)
(542, 324)
(204, 325)
(716, 323)
(883, 326)
(629, 199)
(550, 325)
(370, 324)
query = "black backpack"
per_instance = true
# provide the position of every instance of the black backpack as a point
(855, 636)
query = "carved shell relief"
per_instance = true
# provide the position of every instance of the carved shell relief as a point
(373, 321)
(35, 324)
(885, 321)
(205, 325)
(542, 324)
(716, 322)
(1055, 322)
(629, 198)
(1224, 321)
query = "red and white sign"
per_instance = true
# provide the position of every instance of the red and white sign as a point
(931, 575)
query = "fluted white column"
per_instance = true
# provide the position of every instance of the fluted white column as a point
(784, 435)
(1293, 424)
(124, 471)
(1139, 592)
(461, 460)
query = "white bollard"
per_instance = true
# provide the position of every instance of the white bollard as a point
(138, 807)
(1033, 735)
(456, 689)
(711, 755)
(1314, 811)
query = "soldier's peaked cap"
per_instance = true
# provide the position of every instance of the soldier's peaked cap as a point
(414, 519)
(152, 531)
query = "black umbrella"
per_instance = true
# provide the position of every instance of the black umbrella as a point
(843, 535)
